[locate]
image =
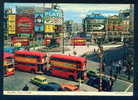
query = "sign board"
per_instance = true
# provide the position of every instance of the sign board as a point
(98, 27)
(25, 23)
(18, 44)
(49, 28)
(11, 17)
(39, 23)
(53, 21)
(11, 26)
(53, 16)
(23, 40)
(56, 13)
(24, 10)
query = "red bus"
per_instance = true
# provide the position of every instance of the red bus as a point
(8, 64)
(78, 41)
(47, 40)
(23, 40)
(31, 61)
(71, 67)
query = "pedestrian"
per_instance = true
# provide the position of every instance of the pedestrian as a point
(87, 44)
(94, 50)
(111, 83)
(25, 88)
(74, 52)
(115, 76)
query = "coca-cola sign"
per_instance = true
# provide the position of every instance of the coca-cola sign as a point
(25, 24)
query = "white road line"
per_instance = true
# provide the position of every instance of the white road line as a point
(128, 88)
(124, 81)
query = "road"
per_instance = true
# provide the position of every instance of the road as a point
(18, 81)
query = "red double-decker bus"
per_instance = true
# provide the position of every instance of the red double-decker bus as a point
(8, 64)
(47, 40)
(23, 40)
(71, 67)
(78, 41)
(31, 61)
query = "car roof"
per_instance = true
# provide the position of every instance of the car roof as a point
(52, 84)
(70, 86)
(40, 77)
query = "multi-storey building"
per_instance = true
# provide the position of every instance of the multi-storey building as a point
(95, 24)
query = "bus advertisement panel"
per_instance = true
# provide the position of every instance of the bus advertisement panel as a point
(25, 23)
(11, 24)
(39, 23)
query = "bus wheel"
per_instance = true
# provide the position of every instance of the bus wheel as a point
(33, 71)
(71, 78)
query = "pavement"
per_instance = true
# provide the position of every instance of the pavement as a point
(80, 50)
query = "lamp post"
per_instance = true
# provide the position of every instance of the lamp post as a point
(99, 42)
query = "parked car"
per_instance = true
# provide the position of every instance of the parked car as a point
(92, 73)
(95, 82)
(39, 80)
(51, 86)
(70, 87)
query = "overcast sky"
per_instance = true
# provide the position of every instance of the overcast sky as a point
(76, 11)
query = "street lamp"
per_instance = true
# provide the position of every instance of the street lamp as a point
(99, 42)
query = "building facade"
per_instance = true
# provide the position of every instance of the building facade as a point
(95, 24)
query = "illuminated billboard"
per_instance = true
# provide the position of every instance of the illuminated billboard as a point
(39, 23)
(53, 16)
(11, 24)
(50, 28)
(25, 23)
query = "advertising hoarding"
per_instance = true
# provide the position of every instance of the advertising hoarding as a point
(25, 23)
(53, 16)
(11, 24)
(11, 17)
(39, 23)
(24, 10)
(50, 28)
(23, 40)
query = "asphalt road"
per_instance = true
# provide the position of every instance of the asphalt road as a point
(20, 79)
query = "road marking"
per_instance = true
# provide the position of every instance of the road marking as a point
(125, 81)
(128, 88)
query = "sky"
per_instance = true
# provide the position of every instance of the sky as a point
(77, 12)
